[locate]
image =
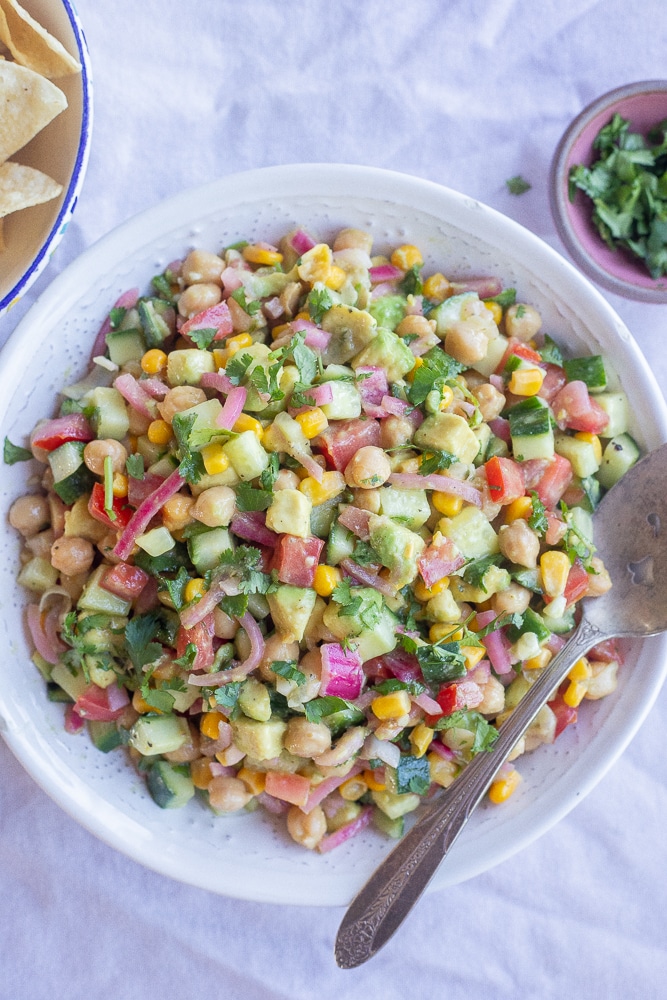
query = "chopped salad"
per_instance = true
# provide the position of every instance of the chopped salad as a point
(311, 525)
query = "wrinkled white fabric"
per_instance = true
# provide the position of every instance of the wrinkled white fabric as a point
(466, 93)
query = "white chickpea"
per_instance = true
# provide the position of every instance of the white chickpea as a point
(514, 599)
(202, 266)
(72, 555)
(286, 480)
(29, 514)
(368, 468)
(224, 626)
(180, 398)
(306, 739)
(599, 581)
(96, 452)
(228, 794)
(353, 239)
(307, 829)
(519, 543)
(215, 507)
(188, 751)
(522, 321)
(494, 697)
(467, 340)
(490, 400)
(396, 431)
(198, 297)
(419, 325)
(367, 500)
(275, 650)
(40, 544)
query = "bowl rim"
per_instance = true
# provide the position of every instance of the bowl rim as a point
(40, 260)
(559, 201)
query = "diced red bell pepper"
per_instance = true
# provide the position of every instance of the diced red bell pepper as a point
(520, 350)
(295, 559)
(459, 696)
(102, 704)
(446, 698)
(97, 510)
(124, 580)
(555, 480)
(577, 582)
(51, 434)
(200, 635)
(343, 439)
(565, 715)
(505, 479)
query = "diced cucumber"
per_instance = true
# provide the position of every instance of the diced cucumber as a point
(322, 517)
(450, 311)
(246, 455)
(206, 547)
(471, 533)
(563, 624)
(158, 320)
(620, 455)
(531, 429)
(528, 578)
(493, 356)
(96, 598)
(56, 694)
(483, 433)
(394, 805)
(615, 405)
(125, 345)
(589, 370)
(393, 828)
(110, 417)
(581, 454)
(170, 785)
(152, 735)
(74, 684)
(582, 521)
(156, 542)
(340, 544)
(38, 575)
(71, 476)
(346, 401)
(186, 367)
(41, 664)
(106, 736)
(409, 507)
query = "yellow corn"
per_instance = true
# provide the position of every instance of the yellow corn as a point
(372, 783)
(592, 439)
(538, 661)
(315, 264)
(391, 706)
(554, 568)
(332, 484)
(336, 278)
(447, 398)
(581, 671)
(327, 579)
(447, 503)
(194, 588)
(200, 772)
(353, 788)
(443, 630)
(495, 310)
(140, 705)
(279, 330)
(119, 484)
(176, 513)
(472, 655)
(255, 780)
(575, 693)
(436, 287)
(526, 381)
(424, 593)
(214, 458)
(521, 508)
(237, 343)
(159, 432)
(220, 357)
(442, 771)
(411, 374)
(407, 256)
(312, 422)
(247, 423)
(502, 788)
(256, 254)
(420, 739)
(209, 724)
(154, 361)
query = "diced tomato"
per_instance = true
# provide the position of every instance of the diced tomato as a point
(52, 433)
(555, 480)
(520, 350)
(593, 422)
(574, 407)
(201, 635)
(554, 380)
(287, 787)
(217, 318)
(295, 559)
(556, 530)
(606, 651)
(96, 509)
(343, 439)
(102, 704)
(577, 582)
(124, 580)
(565, 715)
(505, 479)
(437, 561)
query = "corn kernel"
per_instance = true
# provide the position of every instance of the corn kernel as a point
(154, 361)
(519, 509)
(353, 788)
(581, 671)
(502, 788)
(209, 725)
(315, 264)
(495, 309)
(539, 661)
(119, 484)
(442, 771)
(176, 513)
(407, 256)
(255, 253)
(194, 588)
(279, 330)
(372, 783)
(575, 693)
(140, 705)
(159, 432)
(443, 630)
(411, 374)
(332, 484)
(200, 772)
(255, 780)
(312, 422)
(424, 593)
(219, 357)
(247, 423)
(215, 459)
(436, 287)
(592, 439)
(447, 398)
(237, 343)
(447, 503)
(472, 655)
(336, 278)
(391, 706)
(326, 580)
(420, 739)
(554, 568)
(526, 381)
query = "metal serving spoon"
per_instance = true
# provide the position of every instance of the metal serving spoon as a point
(631, 539)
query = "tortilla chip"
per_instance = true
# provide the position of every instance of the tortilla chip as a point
(32, 45)
(28, 102)
(21, 187)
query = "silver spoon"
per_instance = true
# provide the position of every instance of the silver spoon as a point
(631, 539)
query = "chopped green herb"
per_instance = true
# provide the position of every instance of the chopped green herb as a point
(139, 633)
(550, 351)
(319, 301)
(437, 369)
(289, 670)
(203, 337)
(477, 569)
(12, 453)
(108, 488)
(135, 466)
(518, 185)
(411, 283)
(441, 662)
(175, 587)
(250, 498)
(485, 735)
(251, 307)
(413, 775)
(435, 461)
(538, 519)
(235, 606)
(227, 696)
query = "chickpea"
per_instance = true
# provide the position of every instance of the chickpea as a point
(201, 266)
(29, 514)
(286, 480)
(72, 555)
(514, 598)
(181, 397)
(224, 627)
(306, 739)
(177, 512)
(276, 649)
(353, 239)
(522, 321)
(467, 341)
(347, 746)
(289, 298)
(419, 325)
(138, 422)
(198, 297)
(396, 431)
(368, 468)
(188, 751)
(40, 544)
(490, 400)
(74, 585)
(494, 698)
(519, 543)
(95, 453)
(228, 794)
(367, 500)
(306, 829)
(215, 507)
(599, 581)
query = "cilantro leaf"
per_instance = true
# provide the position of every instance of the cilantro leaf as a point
(249, 498)
(441, 663)
(393, 684)
(304, 358)
(289, 670)
(269, 476)
(485, 735)
(333, 711)
(235, 606)
(437, 369)
(517, 185)
(175, 587)
(550, 351)
(411, 282)
(227, 696)
(189, 656)
(135, 466)
(203, 337)
(538, 518)
(236, 367)
(318, 302)
(251, 307)
(504, 299)
(475, 571)
(364, 554)
(413, 775)
(139, 633)
(12, 453)
(435, 461)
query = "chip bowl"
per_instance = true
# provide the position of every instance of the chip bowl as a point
(644, 105)
(60, 150)
(249, 855)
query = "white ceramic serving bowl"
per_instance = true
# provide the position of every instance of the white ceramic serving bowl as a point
(248, 855)
(60, 150)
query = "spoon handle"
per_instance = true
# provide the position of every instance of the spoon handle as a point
(380, 907)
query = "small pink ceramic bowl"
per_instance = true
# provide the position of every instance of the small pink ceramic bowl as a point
(644, 105)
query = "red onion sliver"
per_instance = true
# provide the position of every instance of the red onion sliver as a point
(135, 395)
(154, 387)
(319, 792)
(146, 512)
(251, 526)
(384, 272)
(497, 648)
(443, 484)
(232, 408)
(430, 705)
(218, 381)
(301, 241)
(486, 288)
(368, 577)
(43, 633)
(127, 300)
(333, 840)
(355, 519)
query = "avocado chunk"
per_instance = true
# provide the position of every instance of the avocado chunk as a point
(261, 740)
(448, 432)
(387, 351)
(291, 608)
(397, 548)
(351, 330)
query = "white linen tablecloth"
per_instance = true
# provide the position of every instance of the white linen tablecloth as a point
(467, 93)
